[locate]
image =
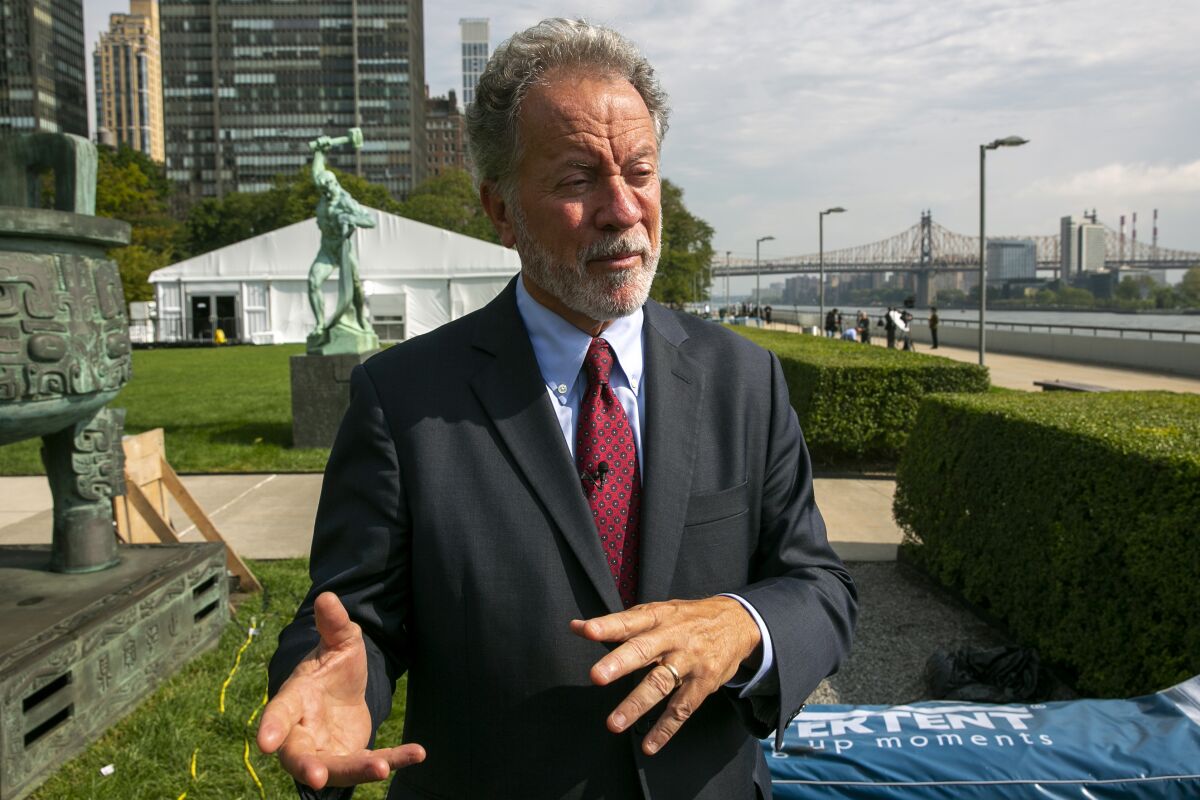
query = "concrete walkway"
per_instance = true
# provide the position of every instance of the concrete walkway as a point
(271, 516)
(1019, 372)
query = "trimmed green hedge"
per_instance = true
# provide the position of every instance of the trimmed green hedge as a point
(857, 403)
(1074, 518)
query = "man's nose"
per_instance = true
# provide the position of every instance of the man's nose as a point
(619, 209)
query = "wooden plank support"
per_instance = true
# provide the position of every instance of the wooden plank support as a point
(142, 514)
(142, 505)
(143, 457)
(203, 524)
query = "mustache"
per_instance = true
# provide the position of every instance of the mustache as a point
(617, 244)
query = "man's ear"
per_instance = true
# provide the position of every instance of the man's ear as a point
(498, 212)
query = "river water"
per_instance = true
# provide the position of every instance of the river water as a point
(1101, 319)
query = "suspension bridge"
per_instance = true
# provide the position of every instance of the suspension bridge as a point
(928, 247)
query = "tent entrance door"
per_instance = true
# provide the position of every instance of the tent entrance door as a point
(210, 312)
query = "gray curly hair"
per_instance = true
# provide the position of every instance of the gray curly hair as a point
(521, 61)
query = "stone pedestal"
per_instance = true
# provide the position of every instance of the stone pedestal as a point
(320, 396)
(78, 652)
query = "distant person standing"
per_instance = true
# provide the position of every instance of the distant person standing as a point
(864, 327)
(889, 325)
(933, 325)
(905, 325)
(831, 323)
(767, 315)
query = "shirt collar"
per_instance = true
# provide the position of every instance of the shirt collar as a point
(560, 347)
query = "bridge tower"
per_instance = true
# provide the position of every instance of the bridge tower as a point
(926, 292)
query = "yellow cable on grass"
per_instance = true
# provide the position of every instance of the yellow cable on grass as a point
(250, 634)
(238, 660)
(246, 748)
(249, 768)
(261, 706)
(193, 773)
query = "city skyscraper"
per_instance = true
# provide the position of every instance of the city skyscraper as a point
(1090, 253)
(43, 85)
(247, 86)
(445, 135)
(1067, 248)
(474, 54)
(128, 70)
(1011, 260)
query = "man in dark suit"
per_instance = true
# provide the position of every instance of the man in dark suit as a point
(583, 524)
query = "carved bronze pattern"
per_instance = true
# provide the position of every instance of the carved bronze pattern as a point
(103, 673)
(63, 329)
(151, 639)
(99, 460)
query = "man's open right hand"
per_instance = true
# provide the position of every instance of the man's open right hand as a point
(319, 721)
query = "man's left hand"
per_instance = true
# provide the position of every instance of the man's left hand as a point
(704, 641)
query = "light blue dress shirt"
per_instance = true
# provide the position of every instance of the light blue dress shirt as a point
(560, 349)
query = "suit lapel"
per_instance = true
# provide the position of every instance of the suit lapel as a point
(513, 394)
(675, 384)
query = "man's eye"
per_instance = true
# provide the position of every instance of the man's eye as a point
(642, 174)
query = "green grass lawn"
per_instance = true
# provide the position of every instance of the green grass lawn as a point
(224, 409)
(151, 749)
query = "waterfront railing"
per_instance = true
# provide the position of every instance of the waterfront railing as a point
(807, 318)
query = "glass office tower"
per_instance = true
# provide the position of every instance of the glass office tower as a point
(248, 84)
(43, 86)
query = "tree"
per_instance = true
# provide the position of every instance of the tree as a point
(683, 268)
(1128, 289)
(1166, 297)
(450, 201)
(1189, 287)
(1071, 296)
(136, 262)
(217, 222)
(131, 186)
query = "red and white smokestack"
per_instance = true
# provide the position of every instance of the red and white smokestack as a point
(1133, 244)
(1121, 252)
(1154, 241)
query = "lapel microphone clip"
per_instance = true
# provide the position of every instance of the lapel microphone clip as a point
(599, 477)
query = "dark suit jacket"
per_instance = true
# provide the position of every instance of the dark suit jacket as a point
(453, 526)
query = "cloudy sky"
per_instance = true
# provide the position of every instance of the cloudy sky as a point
(781, 109)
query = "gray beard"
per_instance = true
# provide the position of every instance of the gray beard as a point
(598, 297)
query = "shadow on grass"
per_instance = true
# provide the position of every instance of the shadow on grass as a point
(278, 434)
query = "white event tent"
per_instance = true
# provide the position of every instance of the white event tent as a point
(415, 278)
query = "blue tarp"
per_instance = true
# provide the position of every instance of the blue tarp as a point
(1147, 747)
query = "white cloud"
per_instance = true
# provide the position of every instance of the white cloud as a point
(1126, 180)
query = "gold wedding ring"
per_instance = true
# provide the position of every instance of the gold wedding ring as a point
(674, 674)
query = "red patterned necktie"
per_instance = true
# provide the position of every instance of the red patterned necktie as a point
(606, 456)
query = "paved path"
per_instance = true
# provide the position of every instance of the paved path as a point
(1019, 372)
(271, 516)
